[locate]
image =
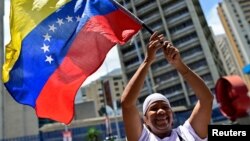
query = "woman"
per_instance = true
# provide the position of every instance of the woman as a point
(157, 122)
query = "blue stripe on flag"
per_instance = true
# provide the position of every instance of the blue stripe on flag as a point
(45, 47)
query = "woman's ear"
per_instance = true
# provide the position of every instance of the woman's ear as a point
(145, 120)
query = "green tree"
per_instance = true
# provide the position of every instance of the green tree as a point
(93, 134)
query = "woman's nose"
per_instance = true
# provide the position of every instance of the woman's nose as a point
(161, 111)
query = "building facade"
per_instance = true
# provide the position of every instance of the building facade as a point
(235, 18)
(1, 62)
(106, 89)
(227, 55)
(184, 24)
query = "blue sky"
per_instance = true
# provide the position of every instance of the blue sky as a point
(112, 60)
(210, 11)
(207, 5)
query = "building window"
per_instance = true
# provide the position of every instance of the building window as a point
(180, 102)
(129, 75)
(159, 64)
(166, 76)
(191, 51)
(171, 90)
(117, 94)
(144, 4)
(193, 99)
(180, 26)
(184, 39)
(198, 64)
(132, 61)
(176, 14)
(128, 49)
(246, 36)
(117, 78)
(207, 77)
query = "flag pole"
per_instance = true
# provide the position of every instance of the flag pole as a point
(107, 118)
(114, 105)
(147, 28)
(133, 16)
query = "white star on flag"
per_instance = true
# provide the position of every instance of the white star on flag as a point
(49, 59)
(78, 18)
(45, 48)
(52, 28)
(70, 19)
(59, 21)
(47, 37)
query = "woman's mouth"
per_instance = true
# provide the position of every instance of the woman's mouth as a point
(161, 121)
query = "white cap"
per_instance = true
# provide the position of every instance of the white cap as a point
(152, 98)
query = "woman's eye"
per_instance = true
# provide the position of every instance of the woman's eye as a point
(166, 108)
(153, 109)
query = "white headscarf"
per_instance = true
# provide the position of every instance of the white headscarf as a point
(152, 98)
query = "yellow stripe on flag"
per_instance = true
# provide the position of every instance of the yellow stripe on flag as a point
(25, 15)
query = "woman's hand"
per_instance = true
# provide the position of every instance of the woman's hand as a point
(155, 43)
(171, 53)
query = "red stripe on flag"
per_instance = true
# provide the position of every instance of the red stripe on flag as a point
(123, 27)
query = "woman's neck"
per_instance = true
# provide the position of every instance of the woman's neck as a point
(163, 135)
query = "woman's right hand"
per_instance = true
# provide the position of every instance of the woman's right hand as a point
(155, 43)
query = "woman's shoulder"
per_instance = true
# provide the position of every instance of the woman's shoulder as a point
(187, 132)
(145, 133)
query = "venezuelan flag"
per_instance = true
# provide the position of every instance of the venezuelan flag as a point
(55, 45)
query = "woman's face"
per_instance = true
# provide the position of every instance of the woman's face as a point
(159, 118)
